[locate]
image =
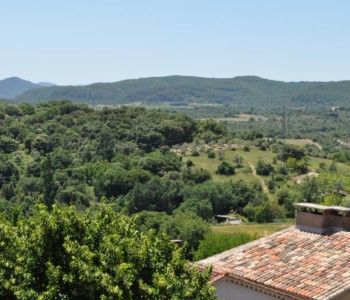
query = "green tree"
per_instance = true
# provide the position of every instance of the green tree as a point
(211, 154)
(263, 168)
(310, 190)
(159, 163)
(187, 227)
(7, 145)
(195, 176)
(238, 160)
(42, 143)
(98, 254)
(200, 207)
(48, 185)
(157, 194)
(105, 145)
(287, 151)
(226, 168)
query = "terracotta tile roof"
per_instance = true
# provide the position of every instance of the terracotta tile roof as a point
(299, 264)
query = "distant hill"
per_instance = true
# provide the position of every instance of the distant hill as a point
(45, 84)
(249, 91)
(15, 86)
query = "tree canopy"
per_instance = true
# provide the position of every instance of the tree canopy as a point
(98, 254)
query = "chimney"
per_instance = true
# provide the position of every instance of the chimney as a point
(322, 219)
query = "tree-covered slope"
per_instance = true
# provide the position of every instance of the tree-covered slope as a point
(247, 91)
(14, 86)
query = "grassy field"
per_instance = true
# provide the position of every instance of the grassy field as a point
(302, 142)
(246, 172)
(259, 230)
(250, 158)
(243, 173)
(240, 118)
(341, 167)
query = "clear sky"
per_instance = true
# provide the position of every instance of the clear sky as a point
(84, 41)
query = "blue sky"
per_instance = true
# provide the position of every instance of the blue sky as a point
(79, 42)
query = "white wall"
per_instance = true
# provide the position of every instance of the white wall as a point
(227, 290)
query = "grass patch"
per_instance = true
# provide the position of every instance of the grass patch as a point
(202, 161)
(257, 230)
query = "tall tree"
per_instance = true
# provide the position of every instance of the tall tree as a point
(48, 184)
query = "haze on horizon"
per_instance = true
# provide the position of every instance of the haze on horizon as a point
(80, 42)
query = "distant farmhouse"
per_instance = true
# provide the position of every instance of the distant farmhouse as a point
(308, 261)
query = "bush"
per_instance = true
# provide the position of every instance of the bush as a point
(197, 206)
(226, 168)
(287, 151)
(159, 163)
(264, 213)
(282, 170)
(299, 166)
(238, 160)
(263, 169)
(287, 199)
(246, 148)
(7, 145)
(42, 143)
(211, 155)
(189, 163)
(195, 153)
(195, 176)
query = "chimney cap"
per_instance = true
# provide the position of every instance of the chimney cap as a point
(321, 209)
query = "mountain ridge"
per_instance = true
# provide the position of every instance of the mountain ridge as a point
(14, 86)
(249, 91)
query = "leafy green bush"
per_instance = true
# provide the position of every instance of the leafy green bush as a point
(226, 168)
(263, 168)
(211, 154)
(195, 153)
(7, 145)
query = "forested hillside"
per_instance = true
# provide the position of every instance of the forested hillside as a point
(68, 154)
(14, 86)
(77, 184)
(246, 91)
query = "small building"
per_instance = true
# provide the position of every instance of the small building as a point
(308, 261)
(228, 219)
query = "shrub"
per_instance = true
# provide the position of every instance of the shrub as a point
(226, 168)
(7, 145)
(287, 151)
(195, 176)
(195, 153)
(189, 163)
(263, 169)
(211, 155)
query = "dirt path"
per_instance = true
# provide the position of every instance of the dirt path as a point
(316, 144)
(343, 143)
(262, 182)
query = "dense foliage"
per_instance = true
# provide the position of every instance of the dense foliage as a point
(68, 154)
(64, 254)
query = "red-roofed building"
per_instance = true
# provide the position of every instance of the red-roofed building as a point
(308, 261)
